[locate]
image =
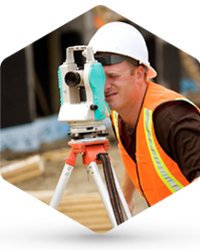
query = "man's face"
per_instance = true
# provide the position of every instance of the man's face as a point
(120, 88)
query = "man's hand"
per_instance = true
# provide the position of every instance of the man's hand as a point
(128, 190)
(131, 205)
(195, 179)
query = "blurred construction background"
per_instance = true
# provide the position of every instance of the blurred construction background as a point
(30, 101)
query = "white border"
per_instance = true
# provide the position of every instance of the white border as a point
(26, 223)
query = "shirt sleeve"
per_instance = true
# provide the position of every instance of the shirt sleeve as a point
(177, 127)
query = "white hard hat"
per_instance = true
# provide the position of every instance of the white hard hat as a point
(123, 39)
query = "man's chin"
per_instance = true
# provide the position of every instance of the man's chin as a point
(111, 105)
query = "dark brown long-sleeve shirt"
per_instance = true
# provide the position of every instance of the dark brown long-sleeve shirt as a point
(177, 127)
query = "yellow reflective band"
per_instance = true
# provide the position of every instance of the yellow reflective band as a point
(163, 172)
(115, 121)
(186, 100)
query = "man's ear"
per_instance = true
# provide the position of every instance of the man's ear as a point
(140, 74)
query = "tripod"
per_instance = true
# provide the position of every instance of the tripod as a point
(93, 151)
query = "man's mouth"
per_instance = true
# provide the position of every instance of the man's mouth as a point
(110, 95)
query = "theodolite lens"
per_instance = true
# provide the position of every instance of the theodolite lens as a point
(72, 79)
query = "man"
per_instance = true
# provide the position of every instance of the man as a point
(158, 130)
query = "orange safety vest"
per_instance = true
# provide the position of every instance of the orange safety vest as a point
(155, 174)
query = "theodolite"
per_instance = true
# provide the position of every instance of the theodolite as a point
(83, 105)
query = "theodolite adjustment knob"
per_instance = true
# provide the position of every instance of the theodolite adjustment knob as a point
(93, 107)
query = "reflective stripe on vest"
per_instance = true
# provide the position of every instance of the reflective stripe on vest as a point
(115, 121)
(163, 172)
(186, 100)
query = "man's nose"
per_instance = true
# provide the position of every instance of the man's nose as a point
(108, 83)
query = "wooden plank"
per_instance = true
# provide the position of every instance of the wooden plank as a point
(80, 201)
(101, 231)
(43, 195)
(84, 214)
(76, 198)
(24, 176)
(106, 227)
(87, 209)
(23, 170)
(57, 154)
(95, 221)
(64, 208)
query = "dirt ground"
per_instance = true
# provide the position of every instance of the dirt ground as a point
(53, 156)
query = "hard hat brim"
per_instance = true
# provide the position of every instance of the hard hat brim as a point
(151, 73)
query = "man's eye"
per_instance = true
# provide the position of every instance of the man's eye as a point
(114, 76)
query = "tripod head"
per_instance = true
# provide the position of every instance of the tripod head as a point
(83, 105)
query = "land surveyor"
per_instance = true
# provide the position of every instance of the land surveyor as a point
(158, 130)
